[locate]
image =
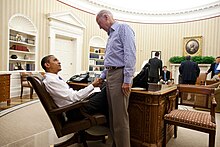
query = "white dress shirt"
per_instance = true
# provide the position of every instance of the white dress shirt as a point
(60, 91)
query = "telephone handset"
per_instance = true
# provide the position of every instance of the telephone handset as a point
(82, 78)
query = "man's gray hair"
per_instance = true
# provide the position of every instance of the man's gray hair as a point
(102, 12)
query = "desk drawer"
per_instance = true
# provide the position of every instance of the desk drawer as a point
(4, 77)
(4, 83)
(5, 90)
(4, 97)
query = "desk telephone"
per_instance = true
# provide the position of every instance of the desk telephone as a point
(82, 78)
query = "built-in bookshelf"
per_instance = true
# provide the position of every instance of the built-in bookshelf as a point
(96, 58)
(22, 50)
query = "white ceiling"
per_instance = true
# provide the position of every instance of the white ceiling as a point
(152, 11)
(154, 5)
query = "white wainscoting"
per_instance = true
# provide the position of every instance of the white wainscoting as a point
(175, 71)
(15, 83)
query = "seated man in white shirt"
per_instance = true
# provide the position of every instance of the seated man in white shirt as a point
(63, 95)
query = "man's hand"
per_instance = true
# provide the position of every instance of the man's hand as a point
(126, 89)
(97, 82)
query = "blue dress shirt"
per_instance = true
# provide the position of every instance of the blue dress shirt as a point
(121, 50)
(165, 76)
(216, 66)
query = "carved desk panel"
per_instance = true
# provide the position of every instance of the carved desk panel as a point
(146, 111)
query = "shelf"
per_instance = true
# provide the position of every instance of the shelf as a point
(22, 43)
(23, 32)
(96, 59)
(97, 53)
(22, 52)
(97, 65)
(22, 46)
(22, 60)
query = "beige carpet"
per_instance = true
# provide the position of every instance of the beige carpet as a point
(31, 119)
(20, 124)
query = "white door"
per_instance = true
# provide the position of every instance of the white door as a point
(65, 51)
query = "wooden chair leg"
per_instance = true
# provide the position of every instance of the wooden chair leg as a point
(82, 138)
(85, 144)
(164, 136)
(175, 131)
(31, 93)
(21, 92)
(211, 139)
(70, 141)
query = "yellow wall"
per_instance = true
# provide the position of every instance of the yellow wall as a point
(168, 38)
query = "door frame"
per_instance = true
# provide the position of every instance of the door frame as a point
(68, 25)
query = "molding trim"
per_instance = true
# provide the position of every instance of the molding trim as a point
(66, 17)
(197, 13)
(22, 23)
(66, 24)
(97, 41)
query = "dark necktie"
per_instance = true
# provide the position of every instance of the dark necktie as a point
(165, 77)
(60, 78)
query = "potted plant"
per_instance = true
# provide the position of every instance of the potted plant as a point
(198, 59)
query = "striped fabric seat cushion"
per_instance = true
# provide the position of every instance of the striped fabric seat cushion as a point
(191, 117)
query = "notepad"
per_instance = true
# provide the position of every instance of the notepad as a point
(138, 88)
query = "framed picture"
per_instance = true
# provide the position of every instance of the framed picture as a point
(192, 46)
(153, 54)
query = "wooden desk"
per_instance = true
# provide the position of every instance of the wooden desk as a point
(146, 111)
(5, 88)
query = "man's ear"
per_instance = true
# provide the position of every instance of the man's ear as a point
(47, 65)
(105, 16)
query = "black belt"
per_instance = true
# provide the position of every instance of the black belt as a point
(113, 67)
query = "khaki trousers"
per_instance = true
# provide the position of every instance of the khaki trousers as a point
(118, 106)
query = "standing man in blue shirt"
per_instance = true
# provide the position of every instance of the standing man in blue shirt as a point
(120, 60)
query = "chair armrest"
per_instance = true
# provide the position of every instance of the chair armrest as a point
(76, 105)
(217, 91)
(172, 99)
(213, 105)
(72, 106)
(29, 83)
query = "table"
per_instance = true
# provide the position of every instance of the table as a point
(146, 111)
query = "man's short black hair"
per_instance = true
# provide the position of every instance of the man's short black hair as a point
(157, 54)
(217, 57)
(45, 60)
(188, 57)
